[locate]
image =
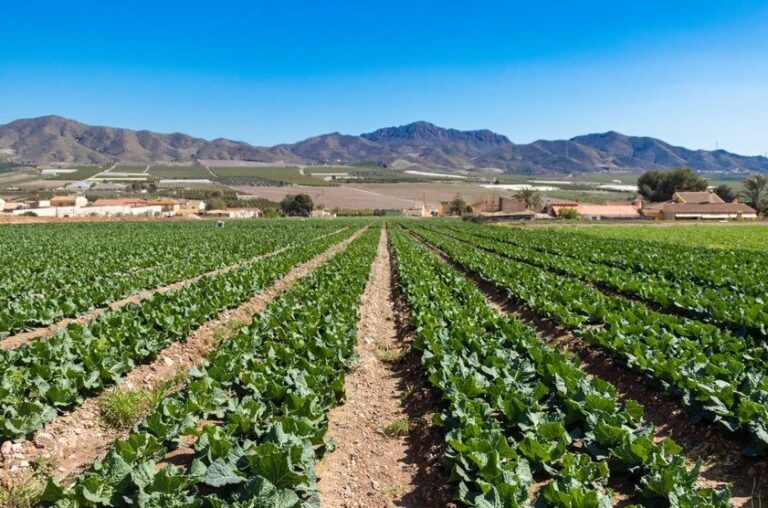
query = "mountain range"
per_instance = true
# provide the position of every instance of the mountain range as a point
(53, 139)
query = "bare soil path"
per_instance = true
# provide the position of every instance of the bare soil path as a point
(369, 468)
(723, 463)
(73, 441)
(45, 332)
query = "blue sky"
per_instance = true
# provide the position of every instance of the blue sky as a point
(694, 73)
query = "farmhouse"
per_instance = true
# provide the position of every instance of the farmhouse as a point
(417, 211)
(322, 214)
(609, 211)
(236, 213)
(72, 201)
(699, 206)
(194, 204)
(39, 203)
(169, 206)
(127, 202)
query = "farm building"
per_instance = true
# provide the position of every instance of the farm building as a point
(417, 211)
(39, 203)
(236, 213)
(127, 202)
(491, 205)
(194, 204)
(15, 205)
(322, 214)
(699, 206)
(71, 201)
(2, 204)
(609, 211)
(168, 206)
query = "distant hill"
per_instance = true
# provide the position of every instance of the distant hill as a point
(52, 139)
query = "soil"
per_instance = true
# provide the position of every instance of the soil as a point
(368, 468)
(73, 441)
(723, 463)
(45, 332)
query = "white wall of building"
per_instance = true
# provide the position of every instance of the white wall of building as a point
(93, 211)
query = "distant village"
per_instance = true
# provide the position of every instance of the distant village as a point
(79, 206)
(704, 205)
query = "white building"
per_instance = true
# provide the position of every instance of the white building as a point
(417, 211)
(72, 201)
(93, 211)
(321, 214)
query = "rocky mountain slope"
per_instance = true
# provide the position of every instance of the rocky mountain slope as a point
(52, 139)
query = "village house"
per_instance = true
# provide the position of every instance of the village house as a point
(321, 214)
(621, 210)
(236, 213)
(10, 206)
(417, 211)
(167, 206)
(699, 206)
(70, 201)
(127, 202)
(39, 203)
(195, 204)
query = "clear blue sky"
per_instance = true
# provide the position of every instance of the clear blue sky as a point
(694, 73)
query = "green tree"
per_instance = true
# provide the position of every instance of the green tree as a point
(215, 204)
(530, 197)
(662, 185)
(300, 205)
(569, 213)
(725, 192)
(755, 193)
(458, 206)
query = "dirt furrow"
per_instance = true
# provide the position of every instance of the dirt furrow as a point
(380, 445)
(70, 443)
(46, 332)
(723, 463)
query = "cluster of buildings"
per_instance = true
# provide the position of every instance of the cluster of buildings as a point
(704, 205)
(683, 206)
(79, 206)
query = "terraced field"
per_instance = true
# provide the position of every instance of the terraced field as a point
(300, 363)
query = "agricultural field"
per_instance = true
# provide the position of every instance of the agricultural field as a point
(267, 176)
(179, 171)
(130, 168)
(717, 236)
(355, 362)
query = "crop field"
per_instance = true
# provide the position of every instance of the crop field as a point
(195, 171)
(355, 362)
(268, 176)
(130, 168)
(719, 236)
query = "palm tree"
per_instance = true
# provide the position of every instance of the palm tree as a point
(530, 197)
(757, 186)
